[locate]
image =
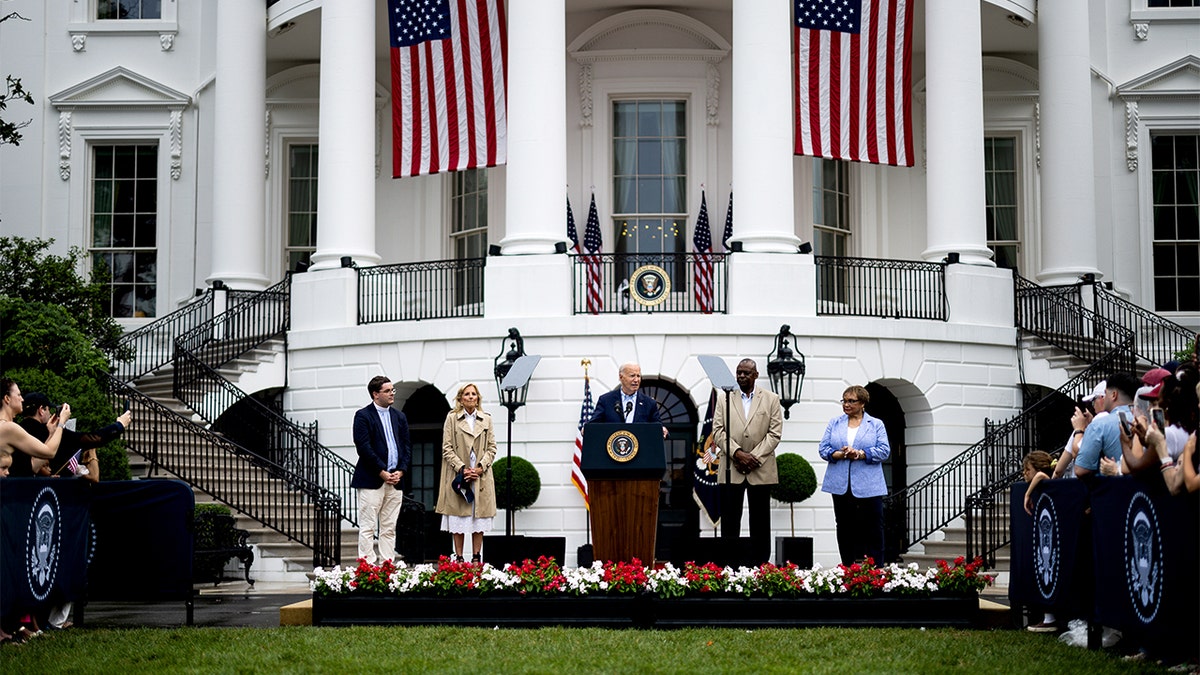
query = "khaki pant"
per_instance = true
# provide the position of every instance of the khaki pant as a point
(378, 509)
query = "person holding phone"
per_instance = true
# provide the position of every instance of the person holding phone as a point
(1102, 438)
(1087, 409)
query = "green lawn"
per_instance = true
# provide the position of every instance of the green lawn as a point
(553, 650)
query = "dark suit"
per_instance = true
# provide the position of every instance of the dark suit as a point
(378, 503)
(609, 409)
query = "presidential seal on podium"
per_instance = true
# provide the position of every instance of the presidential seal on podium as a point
(622, 446)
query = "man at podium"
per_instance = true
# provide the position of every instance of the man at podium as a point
(627, 404)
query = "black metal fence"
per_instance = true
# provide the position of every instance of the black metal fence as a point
(248, 420)
(1157, 339)
(294, 506)
(154, 343)
(890, 289)
(1057, 316)
(440, 289)
(619, 283)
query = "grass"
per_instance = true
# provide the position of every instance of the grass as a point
(553, 650)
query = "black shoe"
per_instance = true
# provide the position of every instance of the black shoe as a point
(475, 559)
(458, 558)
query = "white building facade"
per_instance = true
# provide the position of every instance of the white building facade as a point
(232, 140)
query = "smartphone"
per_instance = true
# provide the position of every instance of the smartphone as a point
(1159, 418)
(1125, 423)
(126, 406)
(1085, 406)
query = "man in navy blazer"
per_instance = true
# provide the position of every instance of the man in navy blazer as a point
(627, 404)
(384, 452)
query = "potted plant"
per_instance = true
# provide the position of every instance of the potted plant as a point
(797, 482)
(526, 486)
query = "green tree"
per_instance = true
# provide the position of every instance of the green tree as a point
(10, 132)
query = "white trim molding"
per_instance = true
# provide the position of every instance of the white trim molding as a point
(1175, 85)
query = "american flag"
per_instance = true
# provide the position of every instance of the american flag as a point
(705, 491)
(73, 463)
(854, 80)
(702, 278)
(585, 414)
(591, 246)
(571, 232)
(728, 225)
(448, 85)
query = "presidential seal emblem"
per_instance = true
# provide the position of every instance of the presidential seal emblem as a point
(622, 446)
(44, 541)
(649, 285)
(1143, 557)
(1046, 554)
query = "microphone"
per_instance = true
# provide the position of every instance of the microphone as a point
(617, 406)
(628, 407)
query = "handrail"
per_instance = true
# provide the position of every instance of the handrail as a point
(197, 383)
(152, 344)
(1056, 315)
(937, 498)
(437, 289)
(890, 289)
(1158, 338)
(296, 507)
(613, 273)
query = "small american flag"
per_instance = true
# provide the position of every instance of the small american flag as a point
(592, 243)
(572, 234)
(585, 414)
(73, 463)
(728, 225)
(853, 80)
(448, 85)
(702, 278)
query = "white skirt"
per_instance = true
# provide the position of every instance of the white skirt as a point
(466, 524)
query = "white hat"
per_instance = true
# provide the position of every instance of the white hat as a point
(1098, 391)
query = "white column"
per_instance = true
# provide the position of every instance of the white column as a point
(346, 165)
(239, 180)
(536, 175)
(762, 127)
(1068, 207)
(954, 120)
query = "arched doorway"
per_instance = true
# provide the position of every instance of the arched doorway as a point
(886, 407)
(426, 409)
(678, 516)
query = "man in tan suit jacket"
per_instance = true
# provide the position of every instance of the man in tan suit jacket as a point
(755, 426)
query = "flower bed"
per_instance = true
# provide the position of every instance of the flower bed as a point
(628, 593)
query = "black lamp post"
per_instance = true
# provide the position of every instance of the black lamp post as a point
(785, 370)
(511, 398)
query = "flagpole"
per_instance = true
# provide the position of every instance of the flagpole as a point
(587, 363)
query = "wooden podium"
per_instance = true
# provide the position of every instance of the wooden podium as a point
(624, 466)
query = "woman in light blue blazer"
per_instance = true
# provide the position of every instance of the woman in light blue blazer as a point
(855, 445)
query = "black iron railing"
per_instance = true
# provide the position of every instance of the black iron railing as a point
(1057, 316)
(440, 289)
(936, 499)
(296, 507)
(258, 426)
(1157, 339)
(891, 289)
(154, 344)
(611, 278)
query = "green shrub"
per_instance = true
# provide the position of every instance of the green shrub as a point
(797, 482)
(526, 484)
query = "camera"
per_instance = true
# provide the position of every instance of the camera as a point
(1085, 406)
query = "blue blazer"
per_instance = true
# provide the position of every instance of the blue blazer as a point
(371, 445)
(608, 409)
(864, 476)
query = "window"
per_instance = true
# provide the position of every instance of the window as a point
(1175, 178)
(125, 226)
(831, 223)
(1173, 3)
(128, 9)
(302, 206)
(468, 230)
(1000, 176)
(650, 184)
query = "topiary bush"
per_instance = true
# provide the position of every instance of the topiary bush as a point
(526, 484)
(797, 482)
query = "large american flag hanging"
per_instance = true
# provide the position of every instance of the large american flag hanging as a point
(853, 80)
(585, 414)
(702, 278)
(448, 85)
(592, 242)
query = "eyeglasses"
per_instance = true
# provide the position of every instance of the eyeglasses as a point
(848, 401)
